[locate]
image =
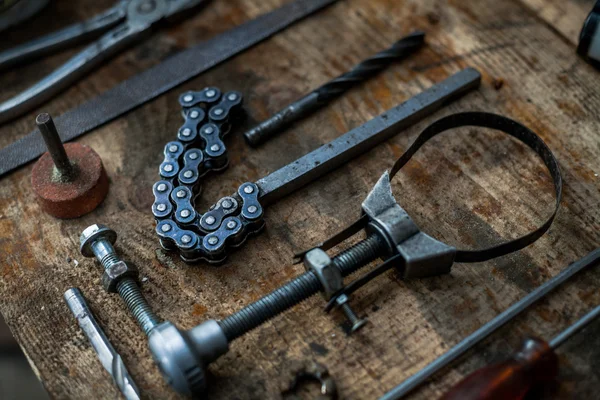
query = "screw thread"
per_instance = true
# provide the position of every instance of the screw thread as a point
(349, 312)
(298, 290)
(109, 259)
(359, 255)
(131, 293)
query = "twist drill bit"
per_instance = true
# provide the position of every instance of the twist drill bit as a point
(332, 89)
(110, 359)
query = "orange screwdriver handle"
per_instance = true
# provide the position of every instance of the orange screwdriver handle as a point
(533, 363)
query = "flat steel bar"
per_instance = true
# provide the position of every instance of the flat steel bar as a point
(480, 334)
(359, 140)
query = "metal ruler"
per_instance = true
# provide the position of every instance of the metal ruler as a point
(159, 79)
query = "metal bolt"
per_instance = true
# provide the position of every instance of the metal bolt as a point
(188, 97)
(218, 111)
(210, 93)
(232, 97)
(215, 147)
(161, 187)
(210, 220)
(186, 132)
(161, 207)
(173, 148)
(226, 204)
(194, 114)
(193, 156)
(252, 209)
(213, 240)
(231, 225)
(357, 323)
(248, 189)
(209, 130)
(188, 174)
(63, 165)
(180, 194)
(168, 168)
(97, 241)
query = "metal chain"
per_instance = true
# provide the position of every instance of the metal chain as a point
(198, 150)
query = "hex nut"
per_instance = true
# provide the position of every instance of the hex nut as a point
(115, 273)
(328, 274)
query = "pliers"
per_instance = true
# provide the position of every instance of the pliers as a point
(128, 21)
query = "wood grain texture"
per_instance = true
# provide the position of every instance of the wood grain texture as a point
(470, 188)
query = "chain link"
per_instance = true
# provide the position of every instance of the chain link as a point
(199, 149)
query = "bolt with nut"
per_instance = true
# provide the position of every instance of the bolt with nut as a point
(119, 277)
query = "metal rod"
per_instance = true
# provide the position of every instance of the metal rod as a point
(359, 140)
(467, 343)
(576, 327)
(54, 145)
(334, 88)
(110, 359)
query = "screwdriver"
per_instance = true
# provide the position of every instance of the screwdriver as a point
(533, 363)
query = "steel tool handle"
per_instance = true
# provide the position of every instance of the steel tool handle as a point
(533, 363)
(109, 44)
(61, 39)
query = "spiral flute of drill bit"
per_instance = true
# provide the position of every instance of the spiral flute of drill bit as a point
(334, 88)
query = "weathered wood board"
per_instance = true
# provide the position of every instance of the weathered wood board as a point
(470, 188)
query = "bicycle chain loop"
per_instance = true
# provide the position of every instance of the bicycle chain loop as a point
(199, 149)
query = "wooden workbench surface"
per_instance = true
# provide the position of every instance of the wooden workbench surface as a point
(470, 188)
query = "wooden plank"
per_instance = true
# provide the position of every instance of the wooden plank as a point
(470, 188)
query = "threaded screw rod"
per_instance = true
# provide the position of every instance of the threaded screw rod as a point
(300, 289)
(97, 241)
(334, 88)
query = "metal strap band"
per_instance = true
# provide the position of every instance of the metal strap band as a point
(514, 129)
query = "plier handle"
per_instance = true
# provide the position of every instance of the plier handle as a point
(128, 21)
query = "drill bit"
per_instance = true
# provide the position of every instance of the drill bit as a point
(332, 89)
(110, 359)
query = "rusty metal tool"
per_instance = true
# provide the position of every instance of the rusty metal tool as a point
(391, 235)
(534, 363)
(159, 79)
(125, 23)
(69, 180)
(211, 235)
(110, 359)
(480, 334)
(321, 96)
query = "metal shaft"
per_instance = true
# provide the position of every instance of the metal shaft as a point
(576, 327)
(480, 334)
(128, 288)
(55, 146)
(363, 138)
(110, 359)
(299, 289)
(334, 88)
